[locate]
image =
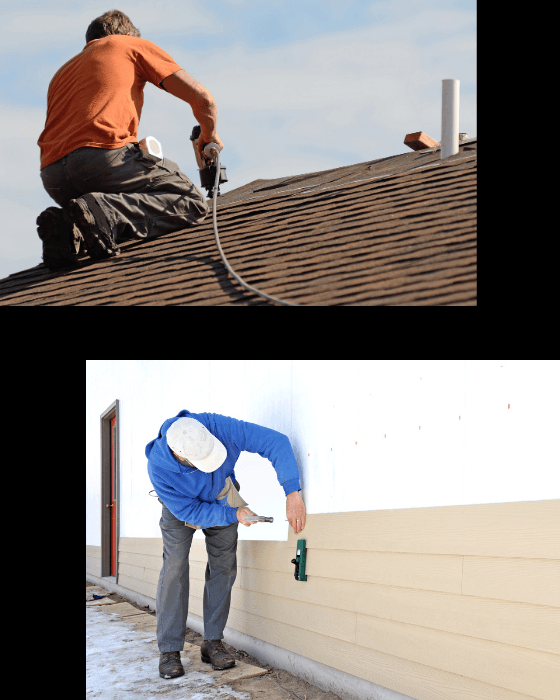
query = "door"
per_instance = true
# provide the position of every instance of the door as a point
(113, 503)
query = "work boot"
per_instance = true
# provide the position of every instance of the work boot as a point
(170, 665)
(61, 239)
(213, 651)
(90, 219)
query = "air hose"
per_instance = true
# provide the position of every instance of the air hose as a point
(209, 150)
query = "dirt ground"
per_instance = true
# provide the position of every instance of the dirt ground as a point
(277, 684)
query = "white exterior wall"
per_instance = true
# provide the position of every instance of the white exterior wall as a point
(337, 414)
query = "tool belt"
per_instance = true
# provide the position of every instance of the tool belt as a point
(233, 498)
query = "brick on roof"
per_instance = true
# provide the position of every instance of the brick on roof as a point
(398, 231)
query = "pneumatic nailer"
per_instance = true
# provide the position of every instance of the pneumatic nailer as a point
(206, 168)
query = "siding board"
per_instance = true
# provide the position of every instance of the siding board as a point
(528, 580)
(93, 551)
(431, 572)
(521, 670)
(148, 561)
(93, 560)
(137, 572)
(134, 584)
(528, 529)
(142, 545)
(93, 566)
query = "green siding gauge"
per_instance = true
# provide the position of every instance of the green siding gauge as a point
(299, 561)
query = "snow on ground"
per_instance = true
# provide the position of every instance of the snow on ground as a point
(122, 662)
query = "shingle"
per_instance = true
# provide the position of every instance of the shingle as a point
(395, 231)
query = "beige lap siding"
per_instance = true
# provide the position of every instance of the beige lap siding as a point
(454, 602)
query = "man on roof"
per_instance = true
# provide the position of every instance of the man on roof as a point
(108, 188)
(191, 465)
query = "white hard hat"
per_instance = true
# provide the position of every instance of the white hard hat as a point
(191, 440)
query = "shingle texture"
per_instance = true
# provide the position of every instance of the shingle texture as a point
(399, 231)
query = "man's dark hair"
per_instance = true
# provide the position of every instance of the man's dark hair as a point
(112, 22)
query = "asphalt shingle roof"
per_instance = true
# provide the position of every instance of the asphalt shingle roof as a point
(398, 231)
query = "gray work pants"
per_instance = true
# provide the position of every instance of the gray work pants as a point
(141, 195)
(172, 598)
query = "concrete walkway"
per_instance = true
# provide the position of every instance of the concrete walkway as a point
(122, 659)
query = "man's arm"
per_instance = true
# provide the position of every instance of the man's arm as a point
(203, 105)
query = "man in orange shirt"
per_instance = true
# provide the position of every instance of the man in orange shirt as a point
(108, 189)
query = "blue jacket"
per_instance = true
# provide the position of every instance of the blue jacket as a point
(190, 494)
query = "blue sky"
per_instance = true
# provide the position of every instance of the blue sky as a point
(301, 86)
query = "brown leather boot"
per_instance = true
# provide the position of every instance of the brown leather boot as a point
(213, 651)
(170, 665)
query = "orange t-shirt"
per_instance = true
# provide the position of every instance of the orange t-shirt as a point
(96, 98)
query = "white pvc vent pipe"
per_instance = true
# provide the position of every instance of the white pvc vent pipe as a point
(449, 118)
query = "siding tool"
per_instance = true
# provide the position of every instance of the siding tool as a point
(299, 561)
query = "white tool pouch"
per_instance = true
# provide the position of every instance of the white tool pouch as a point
(233, 498)
(152, 146)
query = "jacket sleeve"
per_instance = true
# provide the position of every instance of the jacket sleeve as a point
(269, 444)
(192, 510)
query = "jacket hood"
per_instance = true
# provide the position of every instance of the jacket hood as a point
(158, 451)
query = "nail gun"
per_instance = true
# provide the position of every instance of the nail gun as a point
(207, 169)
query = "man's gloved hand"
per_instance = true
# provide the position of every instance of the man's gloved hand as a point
(241, 513)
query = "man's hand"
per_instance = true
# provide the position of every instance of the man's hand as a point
(241, 513)
(202, 142)
(295, 511)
